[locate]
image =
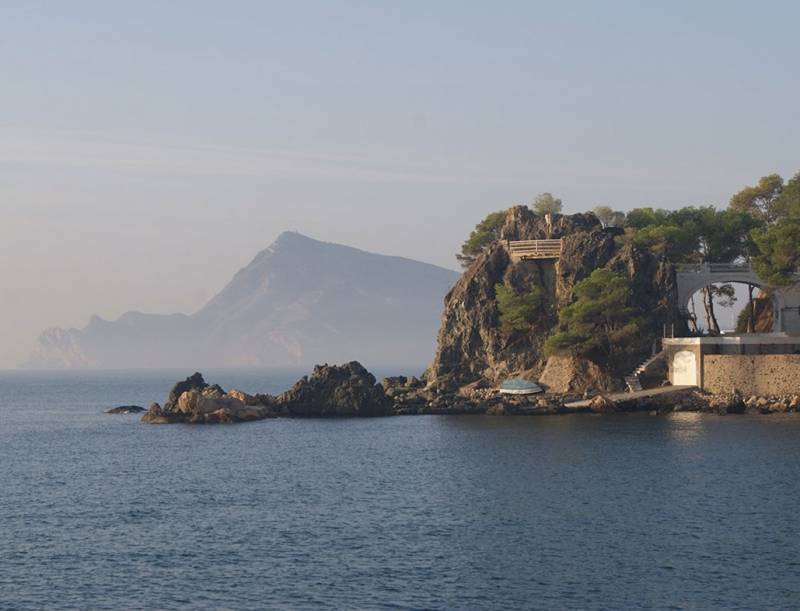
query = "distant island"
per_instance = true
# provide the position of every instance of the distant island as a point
(300, 301)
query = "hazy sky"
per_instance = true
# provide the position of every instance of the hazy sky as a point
(148, 150)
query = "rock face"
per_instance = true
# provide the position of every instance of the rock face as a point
(470, 343)
(194, 401)
(300, 301)
(331, 390)
(126, 409)
(346, 390)
(567, 374)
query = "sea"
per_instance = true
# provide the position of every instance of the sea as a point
(627, 511)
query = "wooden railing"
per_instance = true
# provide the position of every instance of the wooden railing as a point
(534, 249)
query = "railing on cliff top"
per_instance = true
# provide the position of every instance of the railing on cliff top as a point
(534, 249)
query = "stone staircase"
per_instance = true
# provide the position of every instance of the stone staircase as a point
(632, 380)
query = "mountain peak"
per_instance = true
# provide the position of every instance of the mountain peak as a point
(299, 301)
(292, 237)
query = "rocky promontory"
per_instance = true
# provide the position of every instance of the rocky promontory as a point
(331, 390)
(472, 346)
(194, 401)
(349, 390)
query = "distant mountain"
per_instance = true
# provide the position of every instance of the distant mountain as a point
(299, 302)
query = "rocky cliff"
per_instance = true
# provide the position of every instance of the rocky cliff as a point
(471, 345)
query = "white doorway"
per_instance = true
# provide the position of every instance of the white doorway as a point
(684, 368)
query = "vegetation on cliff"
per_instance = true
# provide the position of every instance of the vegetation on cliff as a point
(485, 232)
(602, 324)
(518, 310)
(612, 289)
(545, 203)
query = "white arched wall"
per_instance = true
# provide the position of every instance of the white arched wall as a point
(786, 300)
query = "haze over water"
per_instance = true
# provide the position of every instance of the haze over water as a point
(98, 511)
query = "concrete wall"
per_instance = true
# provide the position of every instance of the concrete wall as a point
(766, 374)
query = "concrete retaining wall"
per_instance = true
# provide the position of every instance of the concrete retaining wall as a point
(766, 374)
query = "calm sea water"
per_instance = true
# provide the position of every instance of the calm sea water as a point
(569, 512)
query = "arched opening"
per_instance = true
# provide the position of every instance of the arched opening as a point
(731, 307)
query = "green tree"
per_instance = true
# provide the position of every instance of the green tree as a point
(639, 218)
(546, 204)
(609, 217)
(778, 241)
(758, 200)
(518, 311)
(696, 235)
(787, 205)
(779, 252)
(601, 323)
(485, 232)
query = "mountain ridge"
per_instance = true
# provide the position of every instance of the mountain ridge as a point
(298, 302)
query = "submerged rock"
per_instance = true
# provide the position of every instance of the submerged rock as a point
(126, 409)
(602, 405)
(156, 415)
(337, 390)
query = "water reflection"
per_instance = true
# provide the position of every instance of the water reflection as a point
(687, 427)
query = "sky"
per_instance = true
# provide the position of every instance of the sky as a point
(148, 150)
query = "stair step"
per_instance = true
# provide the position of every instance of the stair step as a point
(634, 383)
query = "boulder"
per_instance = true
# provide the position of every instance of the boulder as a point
(395, 382)
(343, 390)
(155, 415)
(602, 405)
(242, 396)
(471, 389)
(193, 382)
(126, 409)
(193, 402)
(727, 404)
(569, 374)
(496, 410)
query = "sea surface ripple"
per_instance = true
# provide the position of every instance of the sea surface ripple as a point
(432, 512)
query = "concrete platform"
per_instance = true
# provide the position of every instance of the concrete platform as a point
(631, 396)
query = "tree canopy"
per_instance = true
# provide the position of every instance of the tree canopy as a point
(485, 232)
(601, 323)
(693, 234)
(546, 204)
(608, 216)
(758, 201)
(518, 311)
(778, 240)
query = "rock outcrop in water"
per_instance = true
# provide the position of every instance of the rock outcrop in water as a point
(193, 401)
(471, 345)
(331, 390)
(126, 409)
(346, 390)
